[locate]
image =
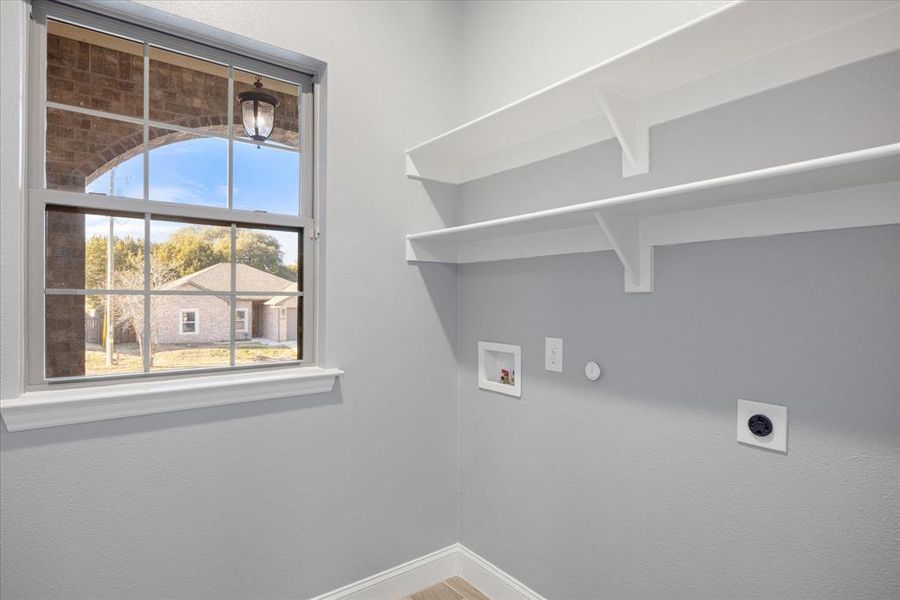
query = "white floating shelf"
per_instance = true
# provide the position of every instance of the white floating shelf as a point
(783, 199)
(742, 49)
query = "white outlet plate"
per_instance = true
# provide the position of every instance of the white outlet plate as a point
(777, 440)
(553, 354)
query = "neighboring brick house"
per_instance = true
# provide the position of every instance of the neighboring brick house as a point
(280, 316)
(204, 319)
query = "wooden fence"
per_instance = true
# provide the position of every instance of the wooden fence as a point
(93, 331)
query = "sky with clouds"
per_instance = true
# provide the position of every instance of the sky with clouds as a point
(194, 171)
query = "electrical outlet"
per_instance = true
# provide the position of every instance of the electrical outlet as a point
(553, 354)
(763, 425)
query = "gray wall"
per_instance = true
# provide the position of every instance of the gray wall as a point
(629, 487)
(294, 497)
(512, 48)
(853, 107)
(634, 486)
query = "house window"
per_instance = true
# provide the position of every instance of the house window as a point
(149, 204)
(240, 320)
(187, 323)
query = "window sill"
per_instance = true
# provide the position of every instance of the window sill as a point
(49, 407)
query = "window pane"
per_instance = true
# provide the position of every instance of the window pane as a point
(242, 322)
(188, 169)
(187, 321)
(190, 332)
(188, 91)
(187, 311)
(287, 112)
(95, 155)
(266, 179)
(274, 328)
(78, 250)
(93, 335)
(190, 256)
(94, 70)
(267, 260)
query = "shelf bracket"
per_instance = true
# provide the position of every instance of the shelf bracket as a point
(631, 130)
(626, 237)
(411, 171)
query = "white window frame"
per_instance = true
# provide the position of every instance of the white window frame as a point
(39, 404)
(208, 44)
(245, 319)
(181, 312)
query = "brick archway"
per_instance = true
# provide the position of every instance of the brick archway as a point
(107, 75)
(133, 145)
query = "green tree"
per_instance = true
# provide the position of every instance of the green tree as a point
(187, 250)
(261, 251)
(193, 248)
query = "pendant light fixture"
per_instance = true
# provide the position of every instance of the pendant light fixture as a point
(258, 112)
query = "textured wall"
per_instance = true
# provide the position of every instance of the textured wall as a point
(852, 107)
(285, 498)
(512, 48)
(634, 486)
(629, 487)
(12, 267)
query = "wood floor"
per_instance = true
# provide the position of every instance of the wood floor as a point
(455, 588)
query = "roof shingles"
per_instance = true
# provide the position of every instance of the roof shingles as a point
(217, 278)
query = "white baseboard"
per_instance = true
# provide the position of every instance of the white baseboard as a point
(402, 580)
(425, 571)
(491, 580)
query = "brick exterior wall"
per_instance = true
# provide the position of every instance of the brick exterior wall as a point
(92, 76)
(65, 314)
(270, 319)
(81, 74)
(79, 148)
(278, 328)
(212, 323)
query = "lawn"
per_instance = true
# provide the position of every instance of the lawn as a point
(167, 358)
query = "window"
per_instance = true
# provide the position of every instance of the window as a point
(240, 320)
(149, 206)
(188, 322)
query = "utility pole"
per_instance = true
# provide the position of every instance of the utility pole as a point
(110, 244)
